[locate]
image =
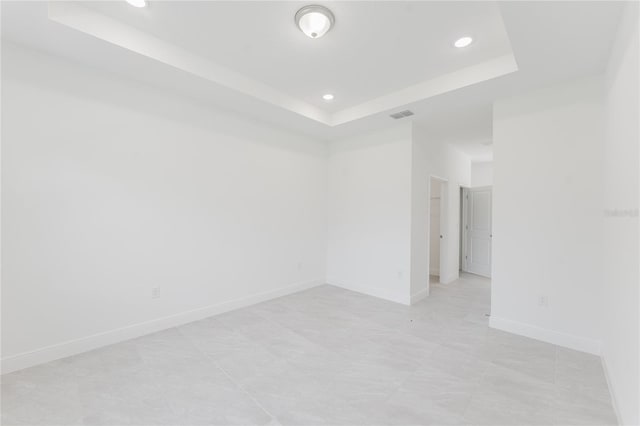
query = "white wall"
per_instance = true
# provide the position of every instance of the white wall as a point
(547, 214)
(379, 211)
(621, 254)
(481, 174)
(432, 157)
(370, 212)
(110, 188)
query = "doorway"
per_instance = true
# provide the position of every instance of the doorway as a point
(461, 231)
(477, 230)
(437, 226)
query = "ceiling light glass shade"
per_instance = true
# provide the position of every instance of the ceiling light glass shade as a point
(463, 42)
(315, 21)
(137, 3)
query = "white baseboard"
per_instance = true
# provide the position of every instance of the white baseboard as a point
(381, 294)
(550, 336)
(84, 344)
(449, 278)
(614, 401)
(416, 297)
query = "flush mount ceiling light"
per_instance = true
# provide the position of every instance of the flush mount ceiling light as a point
(463, 42)
(315, 21)
(327, 97)
(137, 3)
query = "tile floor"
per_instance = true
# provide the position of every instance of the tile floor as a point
(325, 356)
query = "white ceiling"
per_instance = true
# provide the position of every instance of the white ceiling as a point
(261, 41)
(380, 57)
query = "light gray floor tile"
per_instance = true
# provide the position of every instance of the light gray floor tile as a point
(325, 356)
(575, 408)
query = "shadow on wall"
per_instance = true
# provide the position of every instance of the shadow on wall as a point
(24, 65)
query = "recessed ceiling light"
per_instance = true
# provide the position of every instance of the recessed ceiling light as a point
(137, 3)
(463, 42)
(327, 97)
(315, 21)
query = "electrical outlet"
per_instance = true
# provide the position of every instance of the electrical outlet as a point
(299, 266)
(543, 302)
(155, 293)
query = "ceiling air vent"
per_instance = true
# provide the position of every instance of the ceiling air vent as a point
(401, 114)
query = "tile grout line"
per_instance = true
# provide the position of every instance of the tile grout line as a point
(238, 385)
(494, 364)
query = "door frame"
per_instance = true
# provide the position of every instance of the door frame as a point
(465, 225)
(444, 209)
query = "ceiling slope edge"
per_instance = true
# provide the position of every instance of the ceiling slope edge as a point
(82, 19)
(110, 30)
(459, 79)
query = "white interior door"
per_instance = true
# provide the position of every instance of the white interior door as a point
(478, 245)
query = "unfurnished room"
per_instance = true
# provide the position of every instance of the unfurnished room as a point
(335, 213)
